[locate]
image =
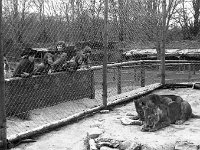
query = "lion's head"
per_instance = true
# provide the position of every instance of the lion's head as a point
(151, 116)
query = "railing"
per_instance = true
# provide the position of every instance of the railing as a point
(127, 76)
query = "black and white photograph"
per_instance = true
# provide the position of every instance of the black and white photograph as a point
(100, 74)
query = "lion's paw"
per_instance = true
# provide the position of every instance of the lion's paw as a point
(144, 129)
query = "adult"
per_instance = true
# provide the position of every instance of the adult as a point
(86, 57)
(81, 60)
(25, 67)
(61, 57)
(46, 65)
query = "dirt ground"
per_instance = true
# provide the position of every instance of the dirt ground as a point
(71, 137)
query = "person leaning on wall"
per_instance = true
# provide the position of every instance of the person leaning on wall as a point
(46, 65)
(80, 61)
(86, 57)
(60, 58)
(25, 68)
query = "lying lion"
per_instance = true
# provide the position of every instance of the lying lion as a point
(159, 111)
(153, 99)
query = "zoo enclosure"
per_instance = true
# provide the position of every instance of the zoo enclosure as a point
(39, 24)
(53, 97)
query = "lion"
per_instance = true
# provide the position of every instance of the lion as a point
(166, 113)
(155, 118)
(153, 100)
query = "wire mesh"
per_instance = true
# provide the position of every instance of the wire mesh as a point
(36, 100)
(182, 72)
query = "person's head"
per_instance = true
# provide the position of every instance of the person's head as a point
(48, 59)
(5, 60)
(60, 46)
(31, 56)
(87, 51)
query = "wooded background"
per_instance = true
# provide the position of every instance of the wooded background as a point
(41, 23)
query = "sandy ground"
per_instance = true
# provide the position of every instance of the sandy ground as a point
(71, 137)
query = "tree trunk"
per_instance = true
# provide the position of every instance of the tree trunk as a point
(16, 22)
(67, 13)
(73, 9)
(121, 32)
(196, 7)
(93, 20)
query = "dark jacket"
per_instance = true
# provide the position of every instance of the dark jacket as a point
(60, 60)
(24, 66)
(45, 66)
(76, 62)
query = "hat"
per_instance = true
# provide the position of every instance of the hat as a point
(61, 43)
(32, 53)
(28, 52)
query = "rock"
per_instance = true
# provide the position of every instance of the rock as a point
(133, 118)
(127, 121)
(125, 145)
(92, 144)
(131, 114)
(104, 111)
(106, 142)
(130, 145)
(101, 120)
(149, 148)
(94, 133)
(185, 145)
(96, 124)
(108, 148)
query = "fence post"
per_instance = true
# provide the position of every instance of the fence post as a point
(135, 73)
(119, 80)
(179, 65)
(92, 96)
(189, 72)
(142, 74)
(3, 136)
(193, 68)
(163, 43)
(105, 58)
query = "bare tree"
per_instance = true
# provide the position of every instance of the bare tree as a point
(121, 19)
(19, 16)
(196, 7)
(73, 9)
(16, 20)
(155, 14)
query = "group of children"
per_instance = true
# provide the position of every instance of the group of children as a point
(60, 61)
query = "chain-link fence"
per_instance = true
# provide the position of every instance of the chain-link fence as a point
(65, 78)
